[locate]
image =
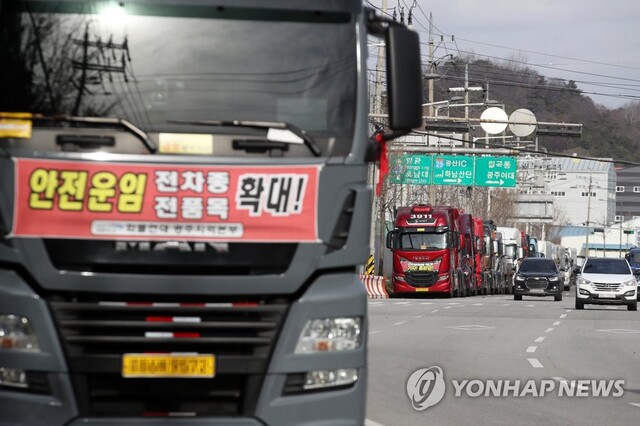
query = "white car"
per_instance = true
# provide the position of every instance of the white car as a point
(605, 281)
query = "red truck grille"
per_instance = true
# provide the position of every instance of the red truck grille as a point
(421, 279)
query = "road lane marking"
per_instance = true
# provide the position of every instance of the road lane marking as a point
(402, 303)
(620, 331)
(556, 323)
(447, 307)
(419, 316)
(563, 316)
(375, 332)
(634, 404)
(506, 304)
(535, 363)
(433, 312)
(478, 304)
(539, 339)
(569, 310)
(549, 330)
(400, 323)
(531, 349)
(368, 422)
(531, 306)
(471, 327)
(426, 303)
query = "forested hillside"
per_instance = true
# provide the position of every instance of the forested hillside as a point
(606, 132)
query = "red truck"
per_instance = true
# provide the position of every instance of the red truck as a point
(483, 254)
(472, 233)
(426, 244)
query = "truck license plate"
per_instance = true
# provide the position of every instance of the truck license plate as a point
(168, 365)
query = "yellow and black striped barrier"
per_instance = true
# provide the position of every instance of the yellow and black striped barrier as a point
(370, 266)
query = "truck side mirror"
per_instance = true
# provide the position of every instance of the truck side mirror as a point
(390, 239)
(404, 78)
(520, 253)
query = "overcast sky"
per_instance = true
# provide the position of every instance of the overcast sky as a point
(593, 42)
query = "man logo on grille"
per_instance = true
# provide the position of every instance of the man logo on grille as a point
(426, 387)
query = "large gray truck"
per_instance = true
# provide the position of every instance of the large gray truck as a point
(183, 207)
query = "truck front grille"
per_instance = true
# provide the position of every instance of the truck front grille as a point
(421, 279)
(170, 257)
(96, 333)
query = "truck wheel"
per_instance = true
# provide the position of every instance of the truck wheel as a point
(558, 297)
(517, 297)
(465, 290)
(579, 304)
(632, 307)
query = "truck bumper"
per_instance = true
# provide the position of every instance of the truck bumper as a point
(437, 288)
(330, 296)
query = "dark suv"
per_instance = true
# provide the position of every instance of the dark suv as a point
(537, 277)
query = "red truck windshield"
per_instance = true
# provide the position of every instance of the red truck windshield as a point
(423, 241)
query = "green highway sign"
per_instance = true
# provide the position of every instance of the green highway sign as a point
(421, 169)
(411, 169)
(496, 171)
(452, 170)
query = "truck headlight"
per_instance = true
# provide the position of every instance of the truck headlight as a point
(320, 379)
(519, 278)
(443, 277)
(553, 279)
(330, 335)
(13, 377)
(16, 332)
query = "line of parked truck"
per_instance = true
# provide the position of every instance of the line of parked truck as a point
(443, 250)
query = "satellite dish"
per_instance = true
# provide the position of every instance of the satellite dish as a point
(522, 122)
(493, 120)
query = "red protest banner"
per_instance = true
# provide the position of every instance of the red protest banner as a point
(107, 200)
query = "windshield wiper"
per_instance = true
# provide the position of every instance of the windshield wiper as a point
(277, 130)
(128, 126)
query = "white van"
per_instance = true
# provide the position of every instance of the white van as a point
(605, 281)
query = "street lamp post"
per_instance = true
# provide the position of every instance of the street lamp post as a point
(588, 214)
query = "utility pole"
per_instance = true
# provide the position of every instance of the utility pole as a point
(378, 249)
(96, 58)
(588, 214)
(430, 72)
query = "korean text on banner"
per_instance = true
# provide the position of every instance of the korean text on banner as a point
(96, 200)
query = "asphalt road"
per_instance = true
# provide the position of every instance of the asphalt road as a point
(494, 339)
